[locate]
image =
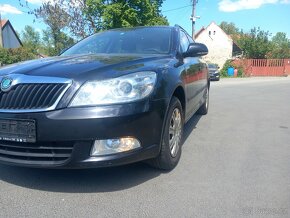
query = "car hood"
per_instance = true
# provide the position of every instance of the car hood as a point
(85, 67)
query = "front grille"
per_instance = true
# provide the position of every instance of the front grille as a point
(45, 153)
(31, 96)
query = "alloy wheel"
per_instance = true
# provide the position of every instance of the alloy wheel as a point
(175, 131)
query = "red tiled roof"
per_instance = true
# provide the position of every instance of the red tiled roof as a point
(3, 22)
(199, 32)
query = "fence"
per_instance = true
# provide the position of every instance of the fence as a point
(265, 67)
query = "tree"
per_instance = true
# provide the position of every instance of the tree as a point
(31, 39)
(281, 46)
(255, 44)
(132, 13)
(98, 15)
(229, 28)
(85, 17)
(57, 19)
(51, 47)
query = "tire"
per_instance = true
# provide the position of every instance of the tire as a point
(204, 107)
(170, 151)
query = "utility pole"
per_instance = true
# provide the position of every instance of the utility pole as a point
(193, 17)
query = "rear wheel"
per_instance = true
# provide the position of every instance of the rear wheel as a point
(170, 151)
(204, 107)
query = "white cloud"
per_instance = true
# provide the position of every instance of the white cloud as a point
(8, 9)
(232, 6)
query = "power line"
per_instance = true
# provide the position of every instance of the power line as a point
(174, 9)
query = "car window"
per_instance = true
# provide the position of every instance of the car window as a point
(184, 43)
(95, 46)
(190, 39)
(136, 40)
(212, 66)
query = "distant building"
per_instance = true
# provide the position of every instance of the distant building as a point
(10, 38)
(220, 45)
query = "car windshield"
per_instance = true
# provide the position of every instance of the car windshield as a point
(212, 66)
(152, 40)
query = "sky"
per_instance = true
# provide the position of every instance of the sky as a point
(269, 15)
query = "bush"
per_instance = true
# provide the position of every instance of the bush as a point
(230, 63)
(224, 70)
(10, 56)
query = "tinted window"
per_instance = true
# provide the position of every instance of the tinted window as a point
(184, 43)
(139, 40)
(212, 66)
(190, 39)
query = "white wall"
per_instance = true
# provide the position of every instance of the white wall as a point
(9, 38)
(220, 45)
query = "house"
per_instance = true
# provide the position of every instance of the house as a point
(221, 46)
(10, 38)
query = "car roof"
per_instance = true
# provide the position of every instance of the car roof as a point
(140, 27)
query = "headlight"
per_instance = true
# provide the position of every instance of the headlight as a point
(127, 88)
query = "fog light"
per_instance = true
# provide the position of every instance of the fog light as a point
(112, 146)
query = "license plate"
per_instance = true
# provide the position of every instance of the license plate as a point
(17, 130)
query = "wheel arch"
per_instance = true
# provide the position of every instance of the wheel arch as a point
(180, 94)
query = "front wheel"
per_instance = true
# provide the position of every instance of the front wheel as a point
(170, 151)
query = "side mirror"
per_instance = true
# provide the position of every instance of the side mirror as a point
(195, 50)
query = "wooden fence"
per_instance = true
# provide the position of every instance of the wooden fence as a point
(265, 67)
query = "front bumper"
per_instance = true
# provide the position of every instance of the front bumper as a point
(65, 137)
(214, 76)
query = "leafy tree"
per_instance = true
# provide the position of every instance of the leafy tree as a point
(54, 15)
(57, 19)
(229, 28)
(31, 39)
(255, 44)
(85, 17)
(132, 13)
(281, 46)
(98, 15)
(51, 47)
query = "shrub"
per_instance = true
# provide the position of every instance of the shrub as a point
(230, 63)
(224, 70)
(10, 56)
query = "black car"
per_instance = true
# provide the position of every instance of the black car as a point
(114, 98)
(214, 72)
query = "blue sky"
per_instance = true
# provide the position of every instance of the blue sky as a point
(269, 15)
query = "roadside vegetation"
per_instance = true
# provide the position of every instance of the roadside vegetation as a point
(259, 44)
(255, 44)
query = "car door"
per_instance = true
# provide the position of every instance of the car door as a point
(191, 65)
(201, 83)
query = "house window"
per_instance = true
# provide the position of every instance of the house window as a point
(209, 32)
(214, 32)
